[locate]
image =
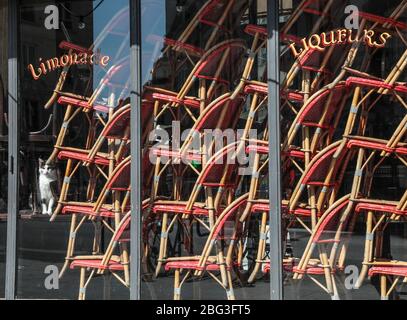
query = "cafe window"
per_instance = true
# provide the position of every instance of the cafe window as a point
(74, 122)
(260, 123)
(3, 142)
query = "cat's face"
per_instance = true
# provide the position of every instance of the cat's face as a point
(46, 170)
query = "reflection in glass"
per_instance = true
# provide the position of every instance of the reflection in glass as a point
(3, 141)
(74, 188)
(343, 149)
(204, 82)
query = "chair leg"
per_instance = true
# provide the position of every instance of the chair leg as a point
(261, 248)
(70, 246)
(177, 287)
(62, 133)
(335, 295)
(69, 170)
(163, 240)
(82, 284)
(383, 287)
(229, 289)
(367, 256)
(98, 237)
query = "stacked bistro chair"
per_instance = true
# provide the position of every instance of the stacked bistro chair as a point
(205, 215)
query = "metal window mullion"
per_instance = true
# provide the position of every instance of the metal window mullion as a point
(135, 63)
(273, 67)
(13, 148)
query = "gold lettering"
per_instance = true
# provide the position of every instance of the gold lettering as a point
(35, 76)
(105, 59)
(369, 34)
(53, 64)
(383, 38)
(316, 45)
(332, 40)
(342, 35)
(64, 60)
(352, 40)
(83, 57)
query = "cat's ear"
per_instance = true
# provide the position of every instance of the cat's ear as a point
(41, 162)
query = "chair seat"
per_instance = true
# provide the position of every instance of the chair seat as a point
(64, 100)
(372, 83)
(187, 101)
(367, 204)
(263, 206)
(388, 270)
(252, 29)
(295, 153)
(261, 149)
(66, 45)
(264, 149)
(289, 267)
(179, 208)
(256, 88)
(187, 47)
(87, 209)
(292, 95)
(82, 155)
(375, 144)
(176, 154)
(97, 264)
(192, 265)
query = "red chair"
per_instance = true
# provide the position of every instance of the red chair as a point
(378, 213)
(327, 234)
(393, 271)
(118, 130)
(114, 264)
(215, 77)
(215, 258)
(113, 84)
(320, 113)
(219, 115)
(118, 186)
(216, 183)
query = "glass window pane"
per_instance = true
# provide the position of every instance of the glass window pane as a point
(343, 141)
(3, 140)
(204, 85)
(74, 174)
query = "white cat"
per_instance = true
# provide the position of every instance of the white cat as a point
(47, 178)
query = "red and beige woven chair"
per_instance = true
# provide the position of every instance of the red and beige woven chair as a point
(99, 163)
(218, 256)
(324, 174)
(378, 214)
(111, 93)
(215, 74)
(216, 182)
(108, 262)
(221, 114)
(321, 114)
(118, 188)
(324, 237)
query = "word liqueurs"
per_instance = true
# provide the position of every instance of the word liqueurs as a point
(67, 60)
(341, 36)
